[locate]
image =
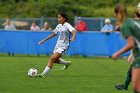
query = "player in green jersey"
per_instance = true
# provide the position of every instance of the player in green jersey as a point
(131, 31)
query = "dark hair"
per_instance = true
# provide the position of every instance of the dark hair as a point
(120, 11)
(137, 13)
(64, 15)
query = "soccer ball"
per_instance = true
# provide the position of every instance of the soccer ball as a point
(32, 72)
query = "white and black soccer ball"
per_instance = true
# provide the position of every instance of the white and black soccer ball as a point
(32, 72)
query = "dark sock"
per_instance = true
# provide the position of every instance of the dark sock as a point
(126, 84)
(136, 91)
(128, 78)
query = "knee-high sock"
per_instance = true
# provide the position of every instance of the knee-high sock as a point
(128, 78)
(136, 91)
(63, 61)
(46, 70)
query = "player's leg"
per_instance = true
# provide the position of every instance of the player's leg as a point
(60, 60)
(136, 79)
(52, 60)
(66, 63)
(136, 75)
(127, 81)
(128, 78)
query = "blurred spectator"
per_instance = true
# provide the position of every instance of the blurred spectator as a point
(81, 25)
(34, 26)
(8, 25)
(108, 27)
(46, 27)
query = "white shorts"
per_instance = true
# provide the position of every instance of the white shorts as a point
(60, 50)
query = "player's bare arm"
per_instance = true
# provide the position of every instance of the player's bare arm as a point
(47, 38)
(73, 35)
(130, 45)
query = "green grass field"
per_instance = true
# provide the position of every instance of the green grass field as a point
(85, 75)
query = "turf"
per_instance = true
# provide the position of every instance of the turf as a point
(85, 75)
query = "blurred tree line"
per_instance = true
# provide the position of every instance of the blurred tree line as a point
(50, 8)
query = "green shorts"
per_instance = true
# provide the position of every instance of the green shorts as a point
(136, 63)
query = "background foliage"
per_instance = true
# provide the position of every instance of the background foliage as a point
(50, 8)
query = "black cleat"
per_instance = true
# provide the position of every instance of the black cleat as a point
(120, 87)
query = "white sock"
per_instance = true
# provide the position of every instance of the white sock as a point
(46, 70)
(63, 61)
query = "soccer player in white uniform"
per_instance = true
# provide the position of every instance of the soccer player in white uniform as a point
(63, 29)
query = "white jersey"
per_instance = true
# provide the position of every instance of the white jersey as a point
(64, 35)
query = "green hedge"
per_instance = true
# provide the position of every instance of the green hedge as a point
(50, 8)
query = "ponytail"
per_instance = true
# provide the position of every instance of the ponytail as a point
(120, 11)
